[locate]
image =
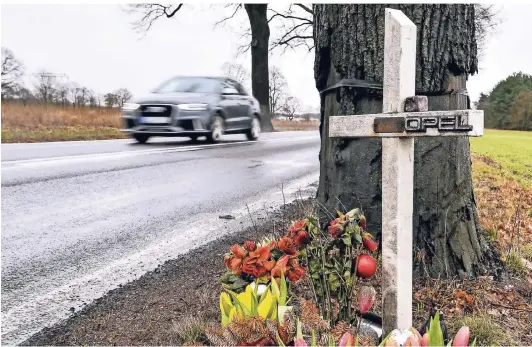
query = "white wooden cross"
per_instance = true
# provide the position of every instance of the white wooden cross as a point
(398, 129)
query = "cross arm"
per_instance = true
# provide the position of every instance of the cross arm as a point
(409, 124)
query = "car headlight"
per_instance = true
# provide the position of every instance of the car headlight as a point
(192, 107)
(130, 106)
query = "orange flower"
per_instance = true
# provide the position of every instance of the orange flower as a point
(295, 273)
(369, 243)
(250, 246)
(286, 245)
(233, 263)
(301, 238)
(297, 226)
(257, 263)
(289, 266)
(336, 228)
(238, 251)
(280, 266)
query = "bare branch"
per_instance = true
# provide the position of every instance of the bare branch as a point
(306, 8)
(151, 13)
(237, 7)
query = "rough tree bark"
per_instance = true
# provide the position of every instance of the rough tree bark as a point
(349, 43)
(260, 36)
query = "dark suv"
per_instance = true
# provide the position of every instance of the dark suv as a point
(193, 107)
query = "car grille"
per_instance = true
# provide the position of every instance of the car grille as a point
(156, 111)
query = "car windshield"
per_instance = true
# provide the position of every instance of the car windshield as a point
(189, 85)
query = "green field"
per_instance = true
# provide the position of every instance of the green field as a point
(511, 150)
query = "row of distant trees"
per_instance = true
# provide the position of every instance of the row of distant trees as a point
(509, 104)
(281, 102)
(51, 88)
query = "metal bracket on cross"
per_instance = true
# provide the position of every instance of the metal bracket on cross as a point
(398, 130)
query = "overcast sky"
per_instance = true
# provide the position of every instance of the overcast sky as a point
(96, 46)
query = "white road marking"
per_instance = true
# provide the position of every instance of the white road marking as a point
(82, 157)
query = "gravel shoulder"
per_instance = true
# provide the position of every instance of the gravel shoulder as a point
(145, 311)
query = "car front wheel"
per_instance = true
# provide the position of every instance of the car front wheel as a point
(254, 132)
(217, 130)
(141, 138)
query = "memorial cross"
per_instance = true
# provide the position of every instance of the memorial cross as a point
(398, 130)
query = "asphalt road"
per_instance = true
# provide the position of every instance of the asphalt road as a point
(81, 218)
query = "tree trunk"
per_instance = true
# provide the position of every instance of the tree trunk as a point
(260, 36)
(349, 42)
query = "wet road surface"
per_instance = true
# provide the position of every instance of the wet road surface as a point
(80, 218)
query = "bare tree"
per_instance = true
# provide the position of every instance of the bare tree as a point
(110, 99)
(295, 26)
(24, 95)
(45, 85)
(63, 91)
(277, 90)
(486, 21)
(122, 95)
(291, 107)
(237, 72)
(12, 71)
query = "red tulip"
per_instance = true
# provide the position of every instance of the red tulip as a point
(362, 222)
(335, 228)
(257, 263)
(280, 265)
(346, 340)
(366, 266)
(366, 298)
(250, 246)
(302, 238)
(425, 340)
(238, 251)
(462, 337)
(412, 341)
(300, 342)
(369, 243)
(286, 245)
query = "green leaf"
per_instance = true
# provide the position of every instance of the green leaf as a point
(474, 343)
(279, 341)
(283, 289)
(238, 284)
(331, 341)
(263, 296)
(334, 281)
(346, 238)
(358, 237)
(313, 338)
(435, 333)
(383, 342)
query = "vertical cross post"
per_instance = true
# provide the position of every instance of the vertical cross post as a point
(397, 174)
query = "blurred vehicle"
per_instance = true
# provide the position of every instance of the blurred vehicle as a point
(193, 107)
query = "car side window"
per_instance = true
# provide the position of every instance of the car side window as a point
(241, 90)
(229, 88)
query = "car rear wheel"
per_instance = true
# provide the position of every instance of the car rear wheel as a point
(254, 132)
(141, 138)
(217, 130)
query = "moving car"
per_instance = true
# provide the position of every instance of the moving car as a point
(193, 107)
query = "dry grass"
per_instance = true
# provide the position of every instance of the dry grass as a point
(49, 116)
(41, 123)
(286, 125)
(38, 123)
